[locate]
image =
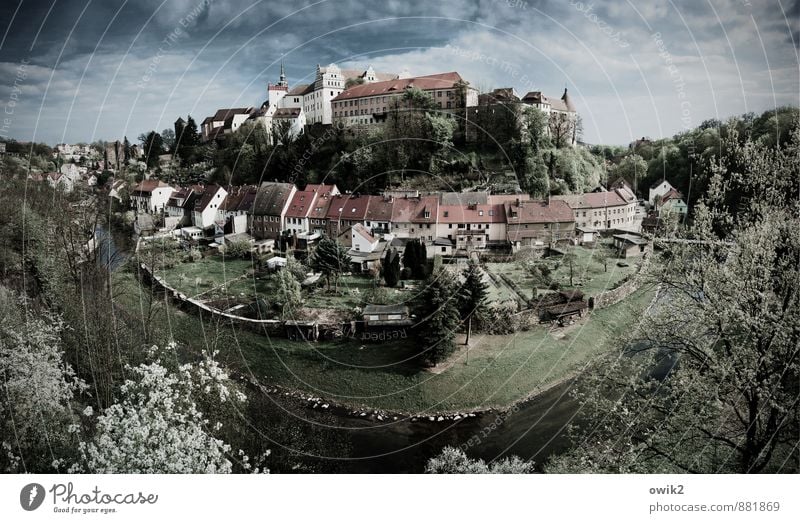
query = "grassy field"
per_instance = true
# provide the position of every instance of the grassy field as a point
(589, 274)
(194, 278)
(501, 370)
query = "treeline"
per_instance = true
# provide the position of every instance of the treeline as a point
(684, 159)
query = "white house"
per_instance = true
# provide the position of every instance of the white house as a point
(362, 239)
(150, 196)
(62, 181)
(659, 189)
(207, 206)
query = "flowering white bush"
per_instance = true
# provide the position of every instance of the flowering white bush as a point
(157, 426)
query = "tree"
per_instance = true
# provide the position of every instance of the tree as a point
(152, 146)
(439, 316)
(534, 123)
(331, 259)
(454, 461)
(473, 295)
(632, 168)
(168, 140)
(354, 81)
(391, 267)
(727, 317)
(37, 388)
(415, 257)
(570, 258)
(237, 249)
(288, 295)
(603, 255)
(126, 151)
(158, 427)
(562, 129)
(282, 133)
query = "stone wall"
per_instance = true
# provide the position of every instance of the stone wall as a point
(617, 294)
(189, 305)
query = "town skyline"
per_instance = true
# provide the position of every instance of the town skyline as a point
(79, 73)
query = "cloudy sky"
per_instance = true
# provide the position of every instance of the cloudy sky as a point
(82, 70)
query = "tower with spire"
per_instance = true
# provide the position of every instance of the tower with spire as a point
(277, 91)
(282, 81)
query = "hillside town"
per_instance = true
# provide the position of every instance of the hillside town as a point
(358, 267)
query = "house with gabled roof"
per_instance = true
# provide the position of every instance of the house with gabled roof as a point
(150, 196)
(378, 218)
(297, 213)
(472, 226)
(206, 208)
(659, 188)
(269, 209)
(180, 206)
(602, 210)
(673, 203)
(344, 211)
(224, 121)
(538, 222)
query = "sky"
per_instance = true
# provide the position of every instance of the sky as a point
(85, 70)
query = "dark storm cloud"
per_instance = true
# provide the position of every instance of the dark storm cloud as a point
(104, 69)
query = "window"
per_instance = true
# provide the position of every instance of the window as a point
(444, 249)
(449, 225)
(480, 213)
(446, 214)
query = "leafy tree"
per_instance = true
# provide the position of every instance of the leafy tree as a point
(632, 168)
(563, 129)
(728, 317)
(288, 294)
(330, 259)
(473, 295)
(354, 81)
(168, 140)
(391, 267)
(152, 146)
(282, 133)
(237, 249)
(455, 461)
(439, 316)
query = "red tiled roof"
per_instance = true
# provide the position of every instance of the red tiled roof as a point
(537, 211)
(403, 209)
(320, 208)
(434, 81)
(481, 213)
(360, 229)
(429, 204)
(302, 202)
(379, 209)
(201, 204)
(348, 207)
(322, 189)
(592, 200)
(671, 194)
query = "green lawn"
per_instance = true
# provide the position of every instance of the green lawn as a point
(501, 369)
(589, 274)
(194, 278)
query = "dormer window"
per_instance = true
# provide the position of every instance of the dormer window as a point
(446, 214)
(428, 214)
(480, 213)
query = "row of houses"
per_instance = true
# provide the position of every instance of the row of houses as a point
(450, 223)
